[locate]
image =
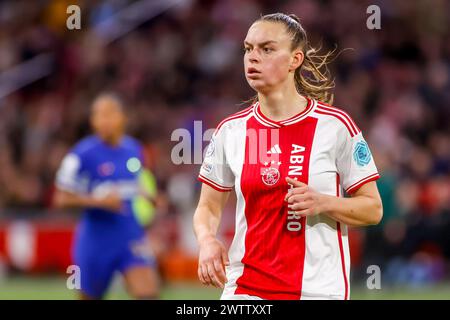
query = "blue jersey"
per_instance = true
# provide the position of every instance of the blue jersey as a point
(95, 168)
(106, 241)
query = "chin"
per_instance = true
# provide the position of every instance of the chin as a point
(257, 85)
(105, 137)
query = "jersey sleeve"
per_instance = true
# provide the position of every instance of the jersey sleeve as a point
(140, 154)
(355, 163)
(215, 170)
(68, 176)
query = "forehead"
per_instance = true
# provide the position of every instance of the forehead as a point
(263, 31)
(106, 104)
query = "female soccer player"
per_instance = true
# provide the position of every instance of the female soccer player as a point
(289, 156)
(101, 175)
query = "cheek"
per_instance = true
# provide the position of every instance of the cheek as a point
(277, 67)
(245, 63)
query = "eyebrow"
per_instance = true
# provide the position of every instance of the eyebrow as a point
(261, 44)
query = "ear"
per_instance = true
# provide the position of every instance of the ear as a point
(297, 60)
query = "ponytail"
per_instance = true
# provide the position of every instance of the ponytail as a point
(313, 78)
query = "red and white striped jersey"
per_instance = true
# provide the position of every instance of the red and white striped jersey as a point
(276, 254)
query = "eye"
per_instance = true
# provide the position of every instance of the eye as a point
(246, 49)
(267, 50)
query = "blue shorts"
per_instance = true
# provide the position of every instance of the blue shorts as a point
(98, 263)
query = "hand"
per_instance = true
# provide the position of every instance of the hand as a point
(161, 203)
(212, 260)
(304, 200)
(111, 202)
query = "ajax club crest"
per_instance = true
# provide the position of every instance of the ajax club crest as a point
(270, 175)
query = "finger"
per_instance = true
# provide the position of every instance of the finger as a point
(220, 271)
(299, 190)
(295, 183)
(303, 213)
(299, 206)
(225, 259)
(213, 275)
(206, 275)
(200, 275)
(295, 191)
(297, 198)
(226, 262)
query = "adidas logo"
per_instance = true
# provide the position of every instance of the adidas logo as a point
(274, 150)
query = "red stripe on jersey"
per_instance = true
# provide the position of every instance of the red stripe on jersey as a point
(237, 115)
(319, 111)
(343, 113)
(213, 184)
(361, 182)
(341, 247)
(274, 255)
(264, 120)
(309, 106)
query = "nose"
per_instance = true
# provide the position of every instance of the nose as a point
(253, 56)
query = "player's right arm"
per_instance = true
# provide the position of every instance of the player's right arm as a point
(217, 181)
(71, 188)
(65, 199)
(213, 255)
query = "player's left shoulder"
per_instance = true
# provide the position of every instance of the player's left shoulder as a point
(337, 117)
(132, 146)
(131, 142)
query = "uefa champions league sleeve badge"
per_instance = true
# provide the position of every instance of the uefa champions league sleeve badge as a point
(361, 154)
(211, 148)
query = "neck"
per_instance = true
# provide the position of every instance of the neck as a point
(113, 140)
(282, 103)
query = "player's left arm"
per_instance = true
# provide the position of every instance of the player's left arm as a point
(148, 186)
(159, 200)
(356, 173)
(362, 209)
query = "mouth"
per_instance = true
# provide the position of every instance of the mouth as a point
(252, 72)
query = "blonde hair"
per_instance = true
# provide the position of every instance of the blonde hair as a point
(313, 78)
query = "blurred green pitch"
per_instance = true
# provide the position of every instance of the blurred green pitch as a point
(54, 288)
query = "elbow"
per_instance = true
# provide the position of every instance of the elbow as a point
(377, 212)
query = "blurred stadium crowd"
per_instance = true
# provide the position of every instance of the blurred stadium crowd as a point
(186, 64)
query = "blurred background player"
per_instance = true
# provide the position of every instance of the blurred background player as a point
(103, 175)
